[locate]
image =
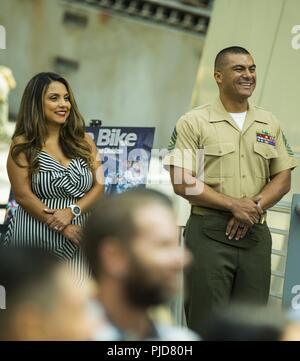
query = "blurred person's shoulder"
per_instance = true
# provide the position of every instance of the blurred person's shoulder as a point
(103, 329)
(175, 333)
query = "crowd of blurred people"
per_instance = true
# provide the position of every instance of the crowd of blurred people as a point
(131, 244)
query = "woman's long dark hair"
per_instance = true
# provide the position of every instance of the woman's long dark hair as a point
(31, 124)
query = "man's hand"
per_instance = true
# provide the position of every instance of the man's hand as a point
(73, 232)
(247, 210)
(236, 229)
(258, 205)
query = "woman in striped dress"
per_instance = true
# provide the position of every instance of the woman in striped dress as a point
(54, 172)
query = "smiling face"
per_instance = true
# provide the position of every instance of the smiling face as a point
(57, 104)
(236, 77)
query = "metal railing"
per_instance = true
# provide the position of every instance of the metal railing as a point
(282, 207)
(278, 275)
(291, 290)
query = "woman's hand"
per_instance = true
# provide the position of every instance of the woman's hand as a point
(59, 218)
(73, 232)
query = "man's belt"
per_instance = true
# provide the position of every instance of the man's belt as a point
(201, 211)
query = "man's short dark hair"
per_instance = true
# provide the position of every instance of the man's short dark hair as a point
(113, 218)
(26, 274)
(220, 58)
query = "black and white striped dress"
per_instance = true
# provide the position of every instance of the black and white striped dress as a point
(57, 187)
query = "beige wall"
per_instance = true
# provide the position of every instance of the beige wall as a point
(130, 73)
(264, 28)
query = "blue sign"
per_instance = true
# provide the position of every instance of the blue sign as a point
(125, 154)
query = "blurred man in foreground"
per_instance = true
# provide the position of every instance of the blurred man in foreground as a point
(42, 301)
(132, 246)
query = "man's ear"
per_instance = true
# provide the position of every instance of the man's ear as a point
(113, 257)
(218, 76)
